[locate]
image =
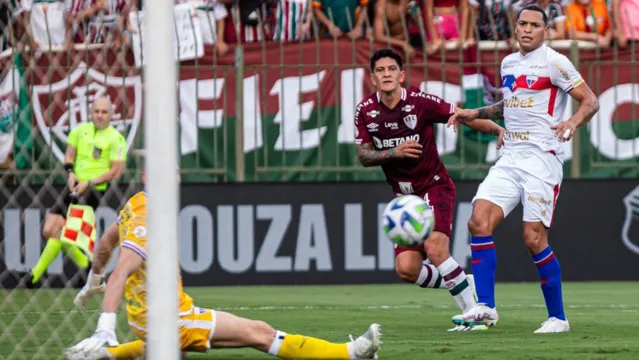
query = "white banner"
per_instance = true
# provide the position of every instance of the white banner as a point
(9, 92)
(187, 35)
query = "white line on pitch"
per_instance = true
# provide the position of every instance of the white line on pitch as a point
(628, 307)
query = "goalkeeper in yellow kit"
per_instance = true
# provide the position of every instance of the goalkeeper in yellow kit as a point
(200, 329)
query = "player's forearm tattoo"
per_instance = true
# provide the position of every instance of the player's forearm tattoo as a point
(587, 109)
(102, 253)
(493, 112)
(371, 157)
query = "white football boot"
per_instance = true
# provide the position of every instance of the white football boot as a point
(367, 345)
(553, 325)
(458, 320)
(481, 314)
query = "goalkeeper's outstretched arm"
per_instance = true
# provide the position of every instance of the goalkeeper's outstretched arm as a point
(102, 253)
(128, 263)
(101, 256)
(104, 336)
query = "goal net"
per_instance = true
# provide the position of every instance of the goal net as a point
(44, 93)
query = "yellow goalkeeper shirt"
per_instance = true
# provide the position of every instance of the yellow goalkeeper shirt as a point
(132, 230)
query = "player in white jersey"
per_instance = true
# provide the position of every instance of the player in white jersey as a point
(536, 83)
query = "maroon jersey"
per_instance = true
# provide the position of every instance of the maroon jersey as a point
(412, 119)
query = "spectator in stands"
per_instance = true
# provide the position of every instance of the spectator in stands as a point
(7, 10)
(588, 20)
(341, 16)
(251, 22)
(47, 23)
(447, 20)
(493, 19)
(391, 12)
(213, 16)
(555, 13)
(101, 21)
(626, 19)
(293, 20)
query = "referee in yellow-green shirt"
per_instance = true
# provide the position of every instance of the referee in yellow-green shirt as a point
(95, 156)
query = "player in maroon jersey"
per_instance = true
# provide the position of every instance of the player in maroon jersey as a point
(395, 128)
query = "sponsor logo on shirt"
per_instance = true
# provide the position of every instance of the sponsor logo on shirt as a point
(373, 113)
(515, 102)
(393, 142)
(408, 108)
(517, 135)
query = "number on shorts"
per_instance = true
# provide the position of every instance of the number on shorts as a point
(428, 202)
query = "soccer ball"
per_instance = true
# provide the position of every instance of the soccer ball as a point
(408, 220)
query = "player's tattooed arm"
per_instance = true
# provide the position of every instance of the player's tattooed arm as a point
(485, 126)
(102, 253)
(371, 157)
(588, 104)
(492, 112)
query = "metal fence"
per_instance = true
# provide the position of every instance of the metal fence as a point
(283, 110)
(264, 111)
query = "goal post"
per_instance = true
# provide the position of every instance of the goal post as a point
(162, 187)
(43, 95)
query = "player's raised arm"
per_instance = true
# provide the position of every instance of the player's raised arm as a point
(441, 111)
(465, 116)
(564, 75)
(482, 125)
(487, 127)
(492, 112)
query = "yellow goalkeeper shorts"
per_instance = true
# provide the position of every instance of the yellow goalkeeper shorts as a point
(196, 330)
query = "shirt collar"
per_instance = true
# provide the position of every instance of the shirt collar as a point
(530, 54)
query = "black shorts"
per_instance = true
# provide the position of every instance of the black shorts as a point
(90, 197)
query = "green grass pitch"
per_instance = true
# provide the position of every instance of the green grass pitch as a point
(604, 319)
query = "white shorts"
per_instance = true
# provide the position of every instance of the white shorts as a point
(530, 177)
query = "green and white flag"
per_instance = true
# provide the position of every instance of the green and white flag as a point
(24, 123)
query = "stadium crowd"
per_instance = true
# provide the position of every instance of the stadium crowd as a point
(52, 26)
(408, 24)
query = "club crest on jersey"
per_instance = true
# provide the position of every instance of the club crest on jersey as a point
(373, 113)
(411, 121)
(531, 80)
(408, 108)
(509, 82)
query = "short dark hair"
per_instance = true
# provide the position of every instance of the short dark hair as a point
(386, 53)
(536, 8)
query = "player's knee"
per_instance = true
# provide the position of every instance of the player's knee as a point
(406, 271)
(479, 225)
(437, 247)
(261, 335)
(534, 238)
(51, 228)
